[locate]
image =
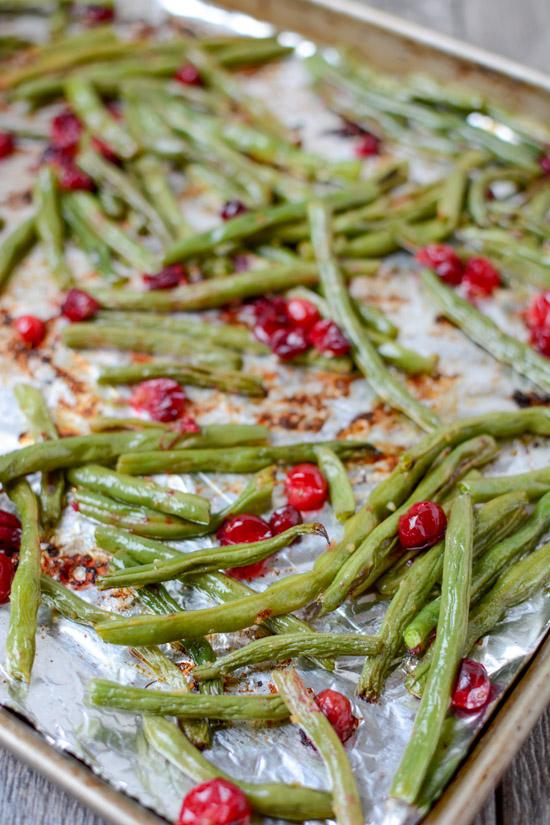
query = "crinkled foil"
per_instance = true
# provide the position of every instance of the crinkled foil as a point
(300, 405)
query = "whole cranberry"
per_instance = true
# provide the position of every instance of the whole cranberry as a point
(337, 708)
(79, 305)
(472, 688)
(188, 75)
(302, 313)
(284, 518)
(10, 532)
(328, 338)
(540, 340)
(7, 572)
(95, 14)
(65, 130)
(232, 209)
(168, 277)
(444, 261)
(73, 179)
(368, 146)
(480, 278)
(244, 528)
(288, 343)
(269, 317)
(162, 398)
(7, 144)
(306, 487)
(422, 526)
(216, 802)
(538, 312)
(31, 330)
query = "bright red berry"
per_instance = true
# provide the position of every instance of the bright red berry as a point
(65, 131)
(7, 571)
(472, 688)
(31, 330)
(301, 313)
(337, 708)
(169, 277)
(93, 14)
(232, 209)
(422, 526)
(188, 75)
(328, 338)
(79, 305)
(368, 146)
(71, 178)
(162, 398)
(284, 518)
(105, 150)
(537, 319)
(10, 532)
(244, 529)
(216, 802)
(306, 487)
(269, 317)
(544, 162)
(443, 260)
(187, 424)
(288, 343)
(7, 144)
(540, 340)
(480, 278)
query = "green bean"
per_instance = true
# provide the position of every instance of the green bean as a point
(25, 588)
(342, 497)
(273, 799)
(155, 184)
(88, 106)
(486, 334)
(70, 605)
(52, 485)
(369, 561)
(49, 225)
(103, 693)
(209, 559)
(140, 492)
(211, 435)
(305, 712)
(148, 128)
(341, 309)
(230, 381)
(451, 200)
(98, 251)
(534, 484)
(15, 246)
(477, 195)
(325, 363)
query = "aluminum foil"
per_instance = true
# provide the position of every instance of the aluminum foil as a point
(301, 405)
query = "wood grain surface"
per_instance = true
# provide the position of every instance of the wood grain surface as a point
(520, 30)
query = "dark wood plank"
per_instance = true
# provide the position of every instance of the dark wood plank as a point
(524, 793)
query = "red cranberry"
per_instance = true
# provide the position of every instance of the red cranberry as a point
(544, 162)
(105, 150)
(232, 209)
(65, 130)
(243, 529)
(472, 688)
(301, 313)
(270, 317)
(10, 532)
(96, 14)
(368, 146)
(31, 330)
(540, 340)
(79, 305)
(288, 343)
(537, 319)
(187, 424)
(188, 75)
(422, 526)
(216, 802)
(71, 178)
(328, 338)
(248, 572)
(167, 278)
(337, 708)
(306, 487)
(162, 398)
(443, 260)
(350, 128)
(7, 571)
(284, 518)
(7, 144)
(480, 278)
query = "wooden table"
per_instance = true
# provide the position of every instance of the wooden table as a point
(519, 30)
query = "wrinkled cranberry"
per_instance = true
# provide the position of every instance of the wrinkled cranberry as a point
(31, 330)
(540, 340)
(368, 146)
(162, 398)
(167, 278)
(337, 708)
(544, 163)
(284, 518)
(7, 571)
(244, 529)
(7, 144)
(216, 802)
(472, 688)
(306, 487)
(232, 209)
(79, 305)
(94, 14)
(270, 316)
(301, 313)
(537, 319)
(422, 526)
(65, 130)
(444, 261)
(188, 75)
(328, 338)
(105, 150)
(10, 532)
(480, 278)
(71, 178)
(187, 424)
(288, 343)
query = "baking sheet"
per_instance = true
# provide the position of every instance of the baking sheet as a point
(300, 405)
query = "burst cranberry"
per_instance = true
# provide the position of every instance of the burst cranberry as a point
(162, 398)
(537, 319)
(167, 278)
(288, 343)
(79, 305)
(269, 317)
(10, 532)
(31, 330)
(480, 278)
(306, 487)
(544, 162)
(187, 424)
(284, 518)
(368, 146)
(301, 313)
(472, 688)
(337, 708)
(423, 525)
(232, 209)
(328, 338)
(7, 571)
(72, 179)
(243, 529)
(443, 260)
(7, 144)
(540, 340)
(188, 75)
(216, 802)
(94, 15)
(65, 130)
(105, 150)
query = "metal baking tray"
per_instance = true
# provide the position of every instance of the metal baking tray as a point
(397, 46)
